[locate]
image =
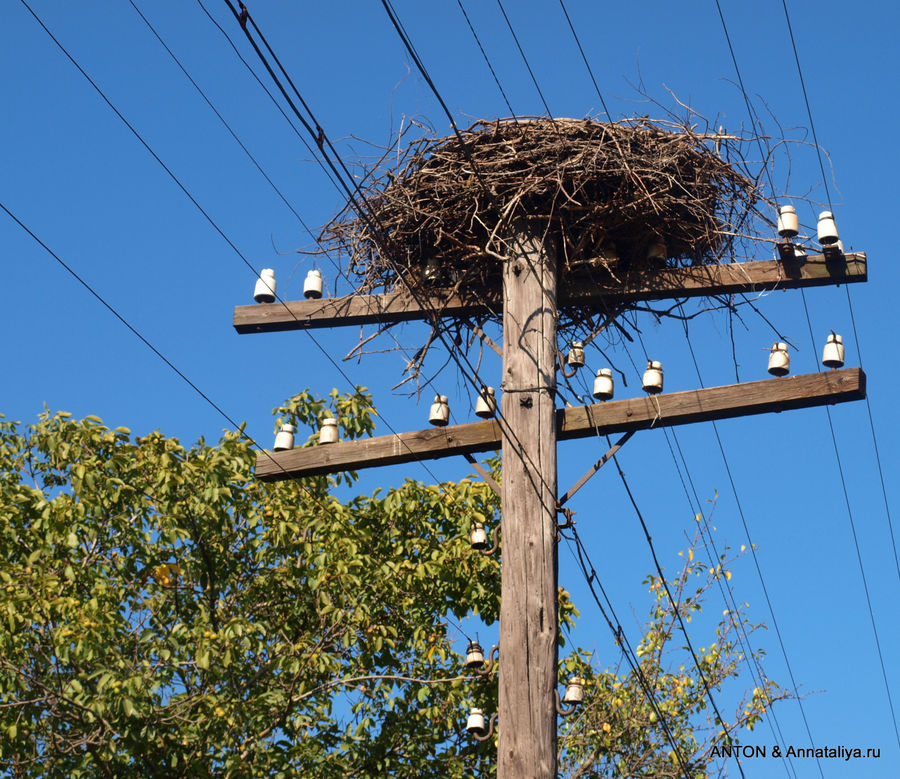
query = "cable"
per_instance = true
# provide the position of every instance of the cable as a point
(243, 147)
(812, 341)
(226, 124)
(675, 608)
(239, 428)
(590, 577)
(862, 570)
(731, 606)
(266, 90)
(584, 57)
(812, 126)
(487, 61)
(322, 140)
(525, 59)
(203, 212)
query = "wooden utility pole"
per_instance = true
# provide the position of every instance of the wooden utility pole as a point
(528, 429)
(528, 594)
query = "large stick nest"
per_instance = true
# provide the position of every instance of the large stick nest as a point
(613, 200)
(441, 213)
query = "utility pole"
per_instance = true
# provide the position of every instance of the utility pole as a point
(528, 430)
(528, 591)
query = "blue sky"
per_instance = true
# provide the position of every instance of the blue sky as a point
(82, 182)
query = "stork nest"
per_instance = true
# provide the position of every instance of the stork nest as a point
(613, 200)
(611, 197)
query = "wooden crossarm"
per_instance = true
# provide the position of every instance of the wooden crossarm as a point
(705, 280)
(618, 416)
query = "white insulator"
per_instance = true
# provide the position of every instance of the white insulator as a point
(657, 251)
(264, 291)
(833, 353)
(779, 360)
(603, 384)
(474, 655)
(328, 433)
(788, 223)
(440, 411)
(478, 538)
(574, 691)
(653, 377)
(827, 229)
(284, 438)
(486, 406)
(576, 355)
(312, 286)
(475, 722)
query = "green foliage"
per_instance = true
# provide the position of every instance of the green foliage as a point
(620, 733)
(165, 614)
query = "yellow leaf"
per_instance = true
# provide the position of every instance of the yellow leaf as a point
(690, 554)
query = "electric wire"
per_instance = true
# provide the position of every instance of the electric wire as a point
(862, 570)
(675, 609)
(674, 606)
(265, 89)
(200, 208)
(352, 190)
(590, 576)
(584, 57)
(812, 341)
(727, 594)
(812, 126)
(525, 59)
(238, 428)
(711, 541)
(244, 148)
(225, 123)
(487, 61)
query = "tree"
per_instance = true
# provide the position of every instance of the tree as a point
(163, 613)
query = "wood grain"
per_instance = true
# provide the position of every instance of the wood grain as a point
(526, 743)
(676, 408)
(707, 280)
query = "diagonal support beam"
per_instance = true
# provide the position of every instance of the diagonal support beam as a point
(488, 479)
(702, 281)
(596, 467)
(619, 416)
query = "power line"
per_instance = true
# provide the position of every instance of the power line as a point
(243, 147)
(675, 609)
(827, 410)
(265, 89)
(238, 428)
(525, 59)
(225, 123)
(731, 606)
(321, 137)
(200, 208)
(812, 341)
(487, 61)
(753, 554)
(862, 570)
(590, 576)
(584, 57)
(812, 126)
